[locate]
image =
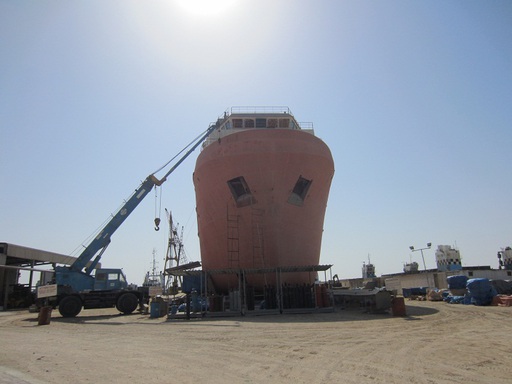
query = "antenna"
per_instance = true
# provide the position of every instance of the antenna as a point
(153, 270)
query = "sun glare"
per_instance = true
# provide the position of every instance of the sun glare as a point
(205, 8)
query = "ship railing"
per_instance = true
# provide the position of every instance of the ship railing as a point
(267, 109)
(262, 110)
(305, 126)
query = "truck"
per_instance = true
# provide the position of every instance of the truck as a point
(78, 288)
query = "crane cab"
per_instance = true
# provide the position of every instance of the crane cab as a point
(107, 279)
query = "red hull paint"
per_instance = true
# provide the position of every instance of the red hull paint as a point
(270, 232)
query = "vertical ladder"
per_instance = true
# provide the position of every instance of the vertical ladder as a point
(258, 257)
(233, 239)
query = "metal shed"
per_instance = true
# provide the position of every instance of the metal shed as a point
(15, 258)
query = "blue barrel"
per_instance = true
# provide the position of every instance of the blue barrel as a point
(154, 309)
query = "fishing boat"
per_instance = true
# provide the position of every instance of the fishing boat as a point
(154, 280)
(262, 182)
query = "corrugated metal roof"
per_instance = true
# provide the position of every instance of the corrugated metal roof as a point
(183, 267)
(13, 252)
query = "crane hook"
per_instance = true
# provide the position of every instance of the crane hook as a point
(157, 224)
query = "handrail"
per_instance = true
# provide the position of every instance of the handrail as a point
(261, 109)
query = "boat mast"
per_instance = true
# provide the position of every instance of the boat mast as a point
(174, 255)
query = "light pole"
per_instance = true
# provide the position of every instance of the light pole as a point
(423, 258)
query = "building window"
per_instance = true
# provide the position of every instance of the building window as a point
(249, 123)
(102, 276)
(300, 191)
(470, 273)
(112, 276)
(241, 192)
(261, 123)
(238, 123)
(284, 123)
(272, 123)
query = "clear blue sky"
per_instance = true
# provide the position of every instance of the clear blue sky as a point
(413, 98)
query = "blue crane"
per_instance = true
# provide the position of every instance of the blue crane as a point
(76, 284)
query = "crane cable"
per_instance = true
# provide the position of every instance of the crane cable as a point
(180, 152)
(157, 204)
(158, 208)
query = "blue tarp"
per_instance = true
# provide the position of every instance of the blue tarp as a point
(503, 287)
(417, 291)
(466, 299)
(480, 291)
(455, 299)
(457, 281)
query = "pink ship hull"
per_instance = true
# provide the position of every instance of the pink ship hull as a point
(261, 197)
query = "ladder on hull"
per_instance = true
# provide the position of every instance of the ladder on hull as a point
(233, 239)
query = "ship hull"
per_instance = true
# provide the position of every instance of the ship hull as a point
(261, 197)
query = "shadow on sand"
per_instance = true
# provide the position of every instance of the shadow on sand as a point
(83, 318)
(413, 312)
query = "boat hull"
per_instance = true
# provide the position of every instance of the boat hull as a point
(277, 219)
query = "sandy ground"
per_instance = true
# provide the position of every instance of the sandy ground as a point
(435, 343)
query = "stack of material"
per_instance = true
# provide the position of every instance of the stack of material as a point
(503, 287)
(481, 291)
(457, 300)
(434, 295)
(412, 293)
(457, 284)
(504, 290)
(502, 300)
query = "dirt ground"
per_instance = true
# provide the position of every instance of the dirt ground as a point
(435, 343)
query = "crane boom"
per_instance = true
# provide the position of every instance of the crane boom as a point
(98, 245)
